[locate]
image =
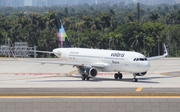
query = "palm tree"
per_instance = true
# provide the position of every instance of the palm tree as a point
(106, 20)
(129, 18)
(136, 42)
(154, 17)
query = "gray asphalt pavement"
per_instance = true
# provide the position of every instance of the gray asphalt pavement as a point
(23, 78)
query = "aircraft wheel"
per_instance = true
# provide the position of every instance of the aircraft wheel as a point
(134, 79)
(87, 78)
(83, 77)
(120, 76)
(116, 76)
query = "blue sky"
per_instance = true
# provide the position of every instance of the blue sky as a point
(28, 2)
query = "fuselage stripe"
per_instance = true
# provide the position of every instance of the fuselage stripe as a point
(85, 56)
(96, 57)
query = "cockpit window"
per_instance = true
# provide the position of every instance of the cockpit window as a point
(140, 59)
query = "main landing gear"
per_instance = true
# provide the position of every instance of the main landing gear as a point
(85, 77)
(118, 75)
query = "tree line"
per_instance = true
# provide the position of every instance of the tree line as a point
(134, 27)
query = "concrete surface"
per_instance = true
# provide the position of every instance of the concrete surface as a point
(17, 76)
(164, 73)
(89, 104)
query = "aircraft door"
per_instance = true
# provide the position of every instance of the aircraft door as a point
(119, 63)
(126, 63)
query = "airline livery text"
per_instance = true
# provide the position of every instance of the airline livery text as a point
(117, 54)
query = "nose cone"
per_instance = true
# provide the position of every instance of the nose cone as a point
(145, 65)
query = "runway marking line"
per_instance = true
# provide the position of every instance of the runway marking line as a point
(100, 74)
(139, 89)
(40, 74)
(90, 97)
(27, 78)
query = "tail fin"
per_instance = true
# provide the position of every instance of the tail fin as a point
(62, 36)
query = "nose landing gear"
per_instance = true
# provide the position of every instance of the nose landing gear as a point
(134, 79)
(118, 75)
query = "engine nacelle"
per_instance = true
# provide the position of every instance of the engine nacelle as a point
(92, 72)
(141, 74)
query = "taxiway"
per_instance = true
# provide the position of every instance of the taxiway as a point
(19, 77)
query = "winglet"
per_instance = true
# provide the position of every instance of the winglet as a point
(165, 51)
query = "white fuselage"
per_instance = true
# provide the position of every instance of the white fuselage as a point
(114, 60)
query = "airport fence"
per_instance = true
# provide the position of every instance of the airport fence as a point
(20, 49)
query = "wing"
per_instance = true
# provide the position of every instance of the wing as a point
(162, 56)
(97, 65)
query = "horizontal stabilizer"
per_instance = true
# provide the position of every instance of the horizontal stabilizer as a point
(47, 52)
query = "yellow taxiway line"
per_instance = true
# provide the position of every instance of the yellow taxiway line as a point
(74, 71)
(89, 97)
(139, 89)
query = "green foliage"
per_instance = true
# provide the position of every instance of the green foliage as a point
(133, 27)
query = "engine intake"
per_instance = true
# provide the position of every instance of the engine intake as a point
(141, 74)
(92, 72)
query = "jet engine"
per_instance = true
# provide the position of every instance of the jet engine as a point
(90, 71)
(141, 74)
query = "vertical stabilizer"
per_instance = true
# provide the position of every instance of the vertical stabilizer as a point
(62, 36)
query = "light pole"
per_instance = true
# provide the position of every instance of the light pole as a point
(78, 40)
(176, 48)
(158, 46)
(144, 43)
(110, 42)
(77, 30)
(9, 46)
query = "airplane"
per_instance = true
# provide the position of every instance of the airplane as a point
(89, 61)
